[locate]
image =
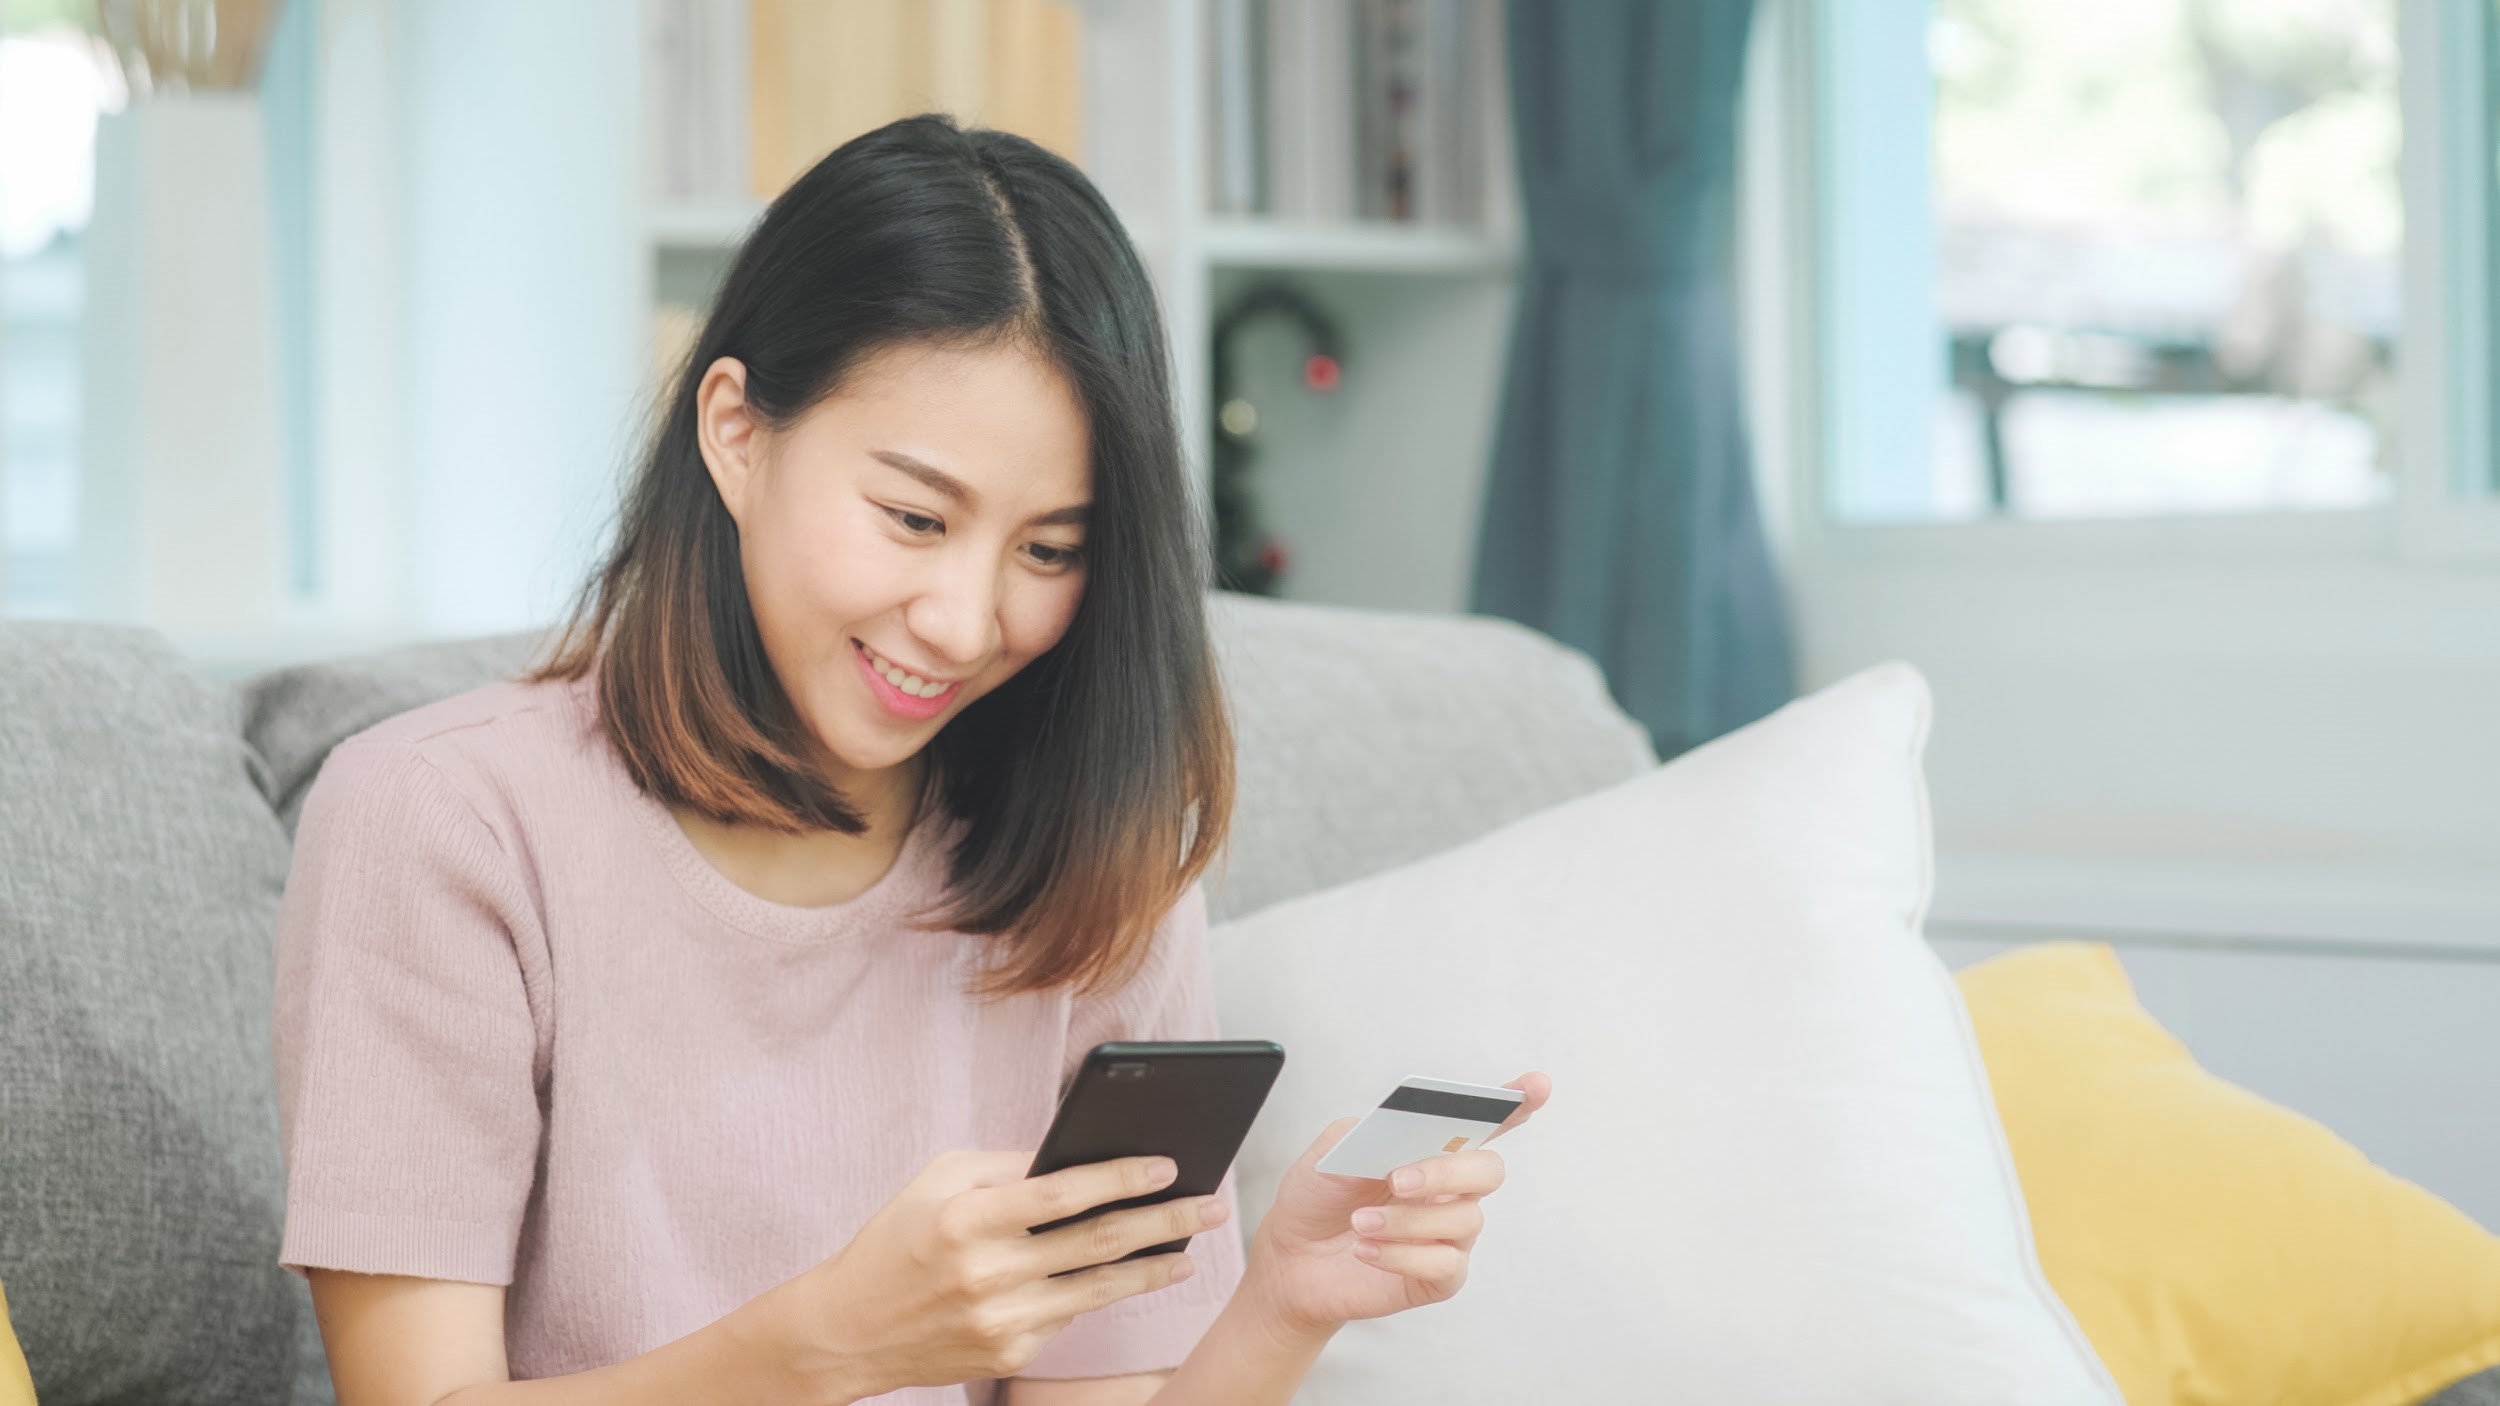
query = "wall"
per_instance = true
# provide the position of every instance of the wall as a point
(518, 248)
(2314, 1031)
(2281, 723)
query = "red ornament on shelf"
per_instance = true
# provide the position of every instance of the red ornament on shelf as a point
(1320, 373)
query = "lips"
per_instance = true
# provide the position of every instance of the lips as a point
(903, 693)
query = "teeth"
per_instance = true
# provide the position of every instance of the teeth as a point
(909, 683)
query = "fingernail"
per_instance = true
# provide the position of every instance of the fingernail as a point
(1366, 1250)
(1213, 1212)
(1161, 1171)
(1407, 1179)
(1368, 1219)
(1183, 1270)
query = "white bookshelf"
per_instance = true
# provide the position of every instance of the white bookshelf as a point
(1355, 247)
(1373, 487)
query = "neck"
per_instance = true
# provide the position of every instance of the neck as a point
(888, 800)
(823, 866)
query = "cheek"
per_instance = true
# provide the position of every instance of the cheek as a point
(1037, 617)
(809, 563)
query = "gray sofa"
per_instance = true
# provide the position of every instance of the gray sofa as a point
(145, 814)
(145, 811)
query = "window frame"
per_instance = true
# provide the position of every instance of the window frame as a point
(2446, 388)
(1799, 341)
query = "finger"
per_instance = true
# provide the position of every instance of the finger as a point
(1443, 1267)
(1458, 1222)
(1015, 1208)
(1107, 1237)
(1100, 1287)
(1538, 1089)
(962, 1170)
(1475, 1172)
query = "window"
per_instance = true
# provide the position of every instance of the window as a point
(101, 322)
(2142, 257)
(53, 82)
(2472, 82)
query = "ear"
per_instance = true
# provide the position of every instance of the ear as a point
(727, 432)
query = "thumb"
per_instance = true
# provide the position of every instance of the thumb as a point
(1328, 1139)
(1313, 1204)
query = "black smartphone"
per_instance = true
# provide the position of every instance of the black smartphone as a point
(1189, 1100)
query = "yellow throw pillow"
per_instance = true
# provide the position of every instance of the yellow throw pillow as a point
(17, 1386)
(2217, 1248)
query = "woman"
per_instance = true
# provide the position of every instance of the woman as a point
(868, 788)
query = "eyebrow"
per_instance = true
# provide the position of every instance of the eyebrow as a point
(939, 481)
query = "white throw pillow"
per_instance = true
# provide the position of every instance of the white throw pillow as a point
(1771, 1172)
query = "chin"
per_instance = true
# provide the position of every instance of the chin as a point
(875, 753)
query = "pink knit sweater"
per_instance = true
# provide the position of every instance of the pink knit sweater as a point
(527, 1035)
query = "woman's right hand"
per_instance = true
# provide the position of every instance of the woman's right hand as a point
(946, 1285)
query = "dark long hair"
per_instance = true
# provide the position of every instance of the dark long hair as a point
(1096, 784)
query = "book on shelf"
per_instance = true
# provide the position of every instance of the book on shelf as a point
(1036, 73)
(1325, 110)
(741, 96)
(1310, 107)
(823, 73)
(694, 115)
(1451, 176)
(1424, 108)
(1237, 101)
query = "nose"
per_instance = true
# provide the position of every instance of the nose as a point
(955, 613)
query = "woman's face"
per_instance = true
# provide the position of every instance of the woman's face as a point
(910, 542)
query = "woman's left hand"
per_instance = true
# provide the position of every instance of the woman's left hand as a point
(1334, 1249)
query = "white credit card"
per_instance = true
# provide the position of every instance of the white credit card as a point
(1420, 1118)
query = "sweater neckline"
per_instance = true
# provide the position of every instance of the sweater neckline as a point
(909, 885)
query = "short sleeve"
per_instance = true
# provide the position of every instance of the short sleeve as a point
(407, 1054)
(1172, 997)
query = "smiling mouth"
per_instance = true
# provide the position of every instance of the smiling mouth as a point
(905, 682)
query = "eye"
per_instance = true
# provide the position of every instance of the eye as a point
(917, 524)
(1053, 557)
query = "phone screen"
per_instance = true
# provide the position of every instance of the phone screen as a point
(1190, 1100)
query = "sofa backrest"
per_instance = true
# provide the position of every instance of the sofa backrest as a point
(1365, 738)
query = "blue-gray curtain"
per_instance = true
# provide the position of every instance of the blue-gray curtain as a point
(1619, 512)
